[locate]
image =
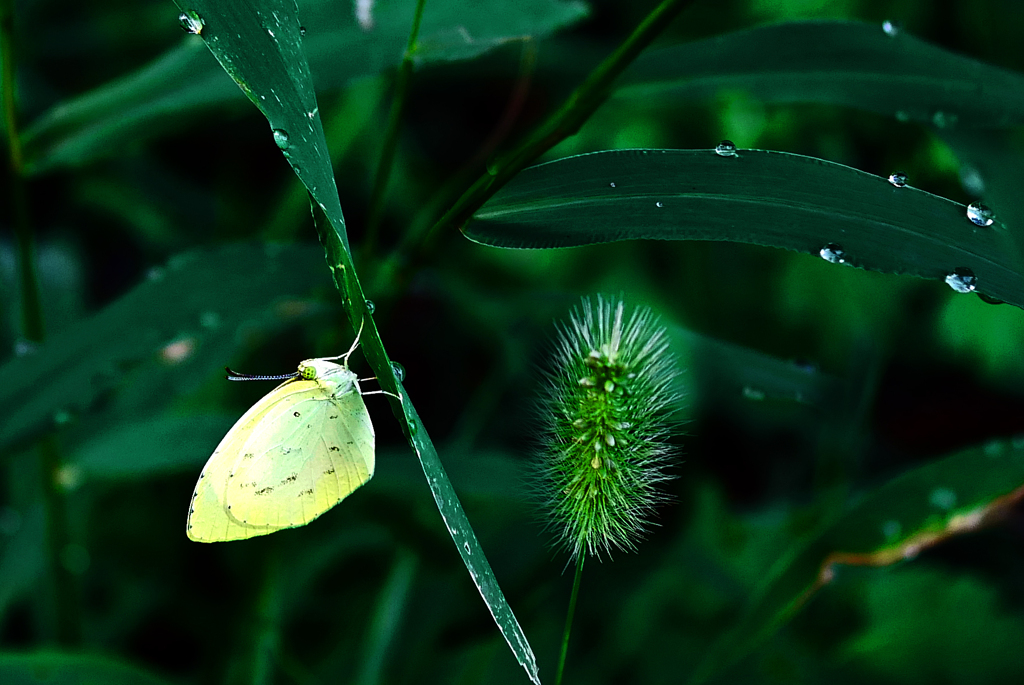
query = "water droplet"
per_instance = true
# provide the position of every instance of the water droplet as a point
(612, 184)
(270, 33)
(726, 148)
(898, 179)
(943, 498)
(753, 393)
(467, 548)
(944, 119)
(281, 138)
(398, 370)
(191, 22)
(962, 280)
(833, 253)
(370, 306)
(892, 28)
(658, 204)
(980, 215)
(302, 30)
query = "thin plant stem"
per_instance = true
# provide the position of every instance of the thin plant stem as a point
(387, 155)
(569, 616)
(68, 621)
(31, 303)
(564, 122)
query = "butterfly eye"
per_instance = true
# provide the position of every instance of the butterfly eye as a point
(308, 373)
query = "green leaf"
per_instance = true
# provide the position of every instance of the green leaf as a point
(835, 62)
(892, 523)
(197, 303)
(911, 611)
(466, 542)
(766, 198)
(184, 81)
(159, 445)
(63, 668)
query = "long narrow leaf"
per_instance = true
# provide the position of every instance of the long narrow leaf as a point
(836, 62)
(775, 199)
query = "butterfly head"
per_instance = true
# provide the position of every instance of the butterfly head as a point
(320, 369)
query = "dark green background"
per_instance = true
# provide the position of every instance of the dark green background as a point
(168, 221)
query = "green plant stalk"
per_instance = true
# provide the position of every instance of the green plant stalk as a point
(387, 155)
(31, 303)
(34, 330)
(565, 122)
(569, 616)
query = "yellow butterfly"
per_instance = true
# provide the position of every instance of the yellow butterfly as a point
(304, 447)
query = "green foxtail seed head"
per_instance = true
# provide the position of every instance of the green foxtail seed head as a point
(605, 444)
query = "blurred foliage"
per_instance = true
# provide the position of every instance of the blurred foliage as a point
(173, 239)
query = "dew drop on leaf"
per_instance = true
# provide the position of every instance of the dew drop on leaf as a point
(726, 148)
(962, 280)
(398, 370)
(980, 215)
(191, 22)
(898, 179)
(833, 253)
(892, 28)
(281, 138)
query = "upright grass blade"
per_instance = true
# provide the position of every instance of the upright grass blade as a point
(767, 198)
(846, 63)
(259, 45)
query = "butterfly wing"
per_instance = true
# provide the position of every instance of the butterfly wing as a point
(275, 469)
(208, 519)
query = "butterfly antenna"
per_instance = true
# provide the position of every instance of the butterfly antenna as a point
(236, 376)
(355, 344)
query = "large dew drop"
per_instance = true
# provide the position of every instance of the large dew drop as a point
(398, 370)
(281, 138)
(980, 215)
(726, 148)
(191, 22)
(898, 179)
(962, 280)
(834, 253)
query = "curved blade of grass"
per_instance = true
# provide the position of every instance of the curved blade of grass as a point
(766, 198)
(892, 523)
(844, 63)
(198, 302)
(66, 667)
(185, 81)
(259, 45)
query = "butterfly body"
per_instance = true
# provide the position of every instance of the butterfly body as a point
(296, 453)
